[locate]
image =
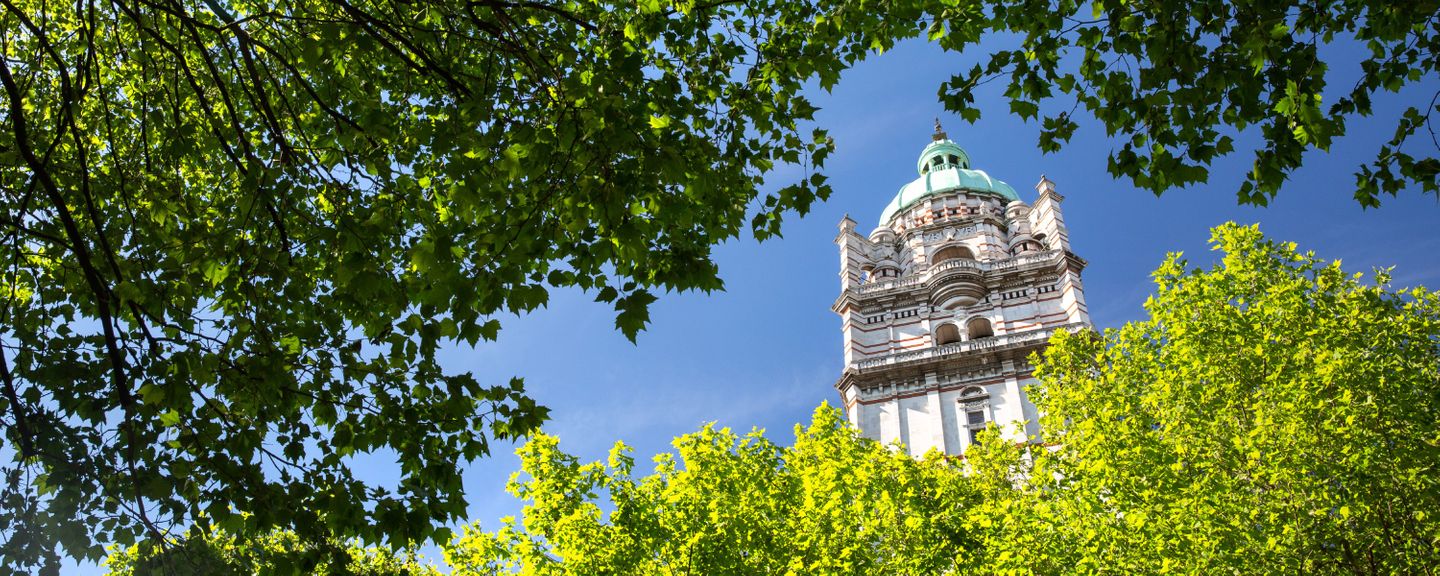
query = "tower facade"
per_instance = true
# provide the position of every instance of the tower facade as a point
(944, 301)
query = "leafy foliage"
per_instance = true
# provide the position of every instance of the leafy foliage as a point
(833, 503)
(1273, 415)
(235, 234)
(1176, 82)
(278, 553)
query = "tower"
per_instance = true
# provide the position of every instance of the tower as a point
(944, 301)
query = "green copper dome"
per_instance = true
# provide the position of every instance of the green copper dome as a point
(945, 167)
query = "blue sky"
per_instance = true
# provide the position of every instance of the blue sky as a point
(766, 352)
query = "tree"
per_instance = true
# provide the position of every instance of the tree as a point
(207, 553)
(1272, 415)
(236, 232)
(1177, 82)
(833, 503)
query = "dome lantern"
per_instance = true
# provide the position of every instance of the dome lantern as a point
(942, 153)
(945, 167)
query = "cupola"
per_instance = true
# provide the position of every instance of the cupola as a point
(941, 154)
(945, 167)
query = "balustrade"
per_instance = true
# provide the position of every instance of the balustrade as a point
(967, 346)
(1006, 264)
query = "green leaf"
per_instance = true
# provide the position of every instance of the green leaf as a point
(634, 313)
(1024, 109)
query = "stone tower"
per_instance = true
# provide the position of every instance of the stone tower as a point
(944, 301)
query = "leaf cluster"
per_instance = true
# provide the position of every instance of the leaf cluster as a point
(1175, 83)
(833, 503)
(280, 553)
(1273, 415)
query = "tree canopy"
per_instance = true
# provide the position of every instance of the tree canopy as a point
(832, 503)
(278, 553)
(1274, 414)
(1176, 84)
(236, 233)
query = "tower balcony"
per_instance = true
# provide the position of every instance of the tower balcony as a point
(959, 267)
(938, 353)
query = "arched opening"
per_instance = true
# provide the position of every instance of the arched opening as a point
(947, 334)
(975, 405)
(951, 253)
(1028, 246)
(979, 328)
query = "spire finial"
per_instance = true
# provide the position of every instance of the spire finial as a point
(939, 132)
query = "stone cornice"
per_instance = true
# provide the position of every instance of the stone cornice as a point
(973, 220)
(926, 359)
(923, 281)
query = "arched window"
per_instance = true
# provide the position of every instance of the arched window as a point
(1028, 246)
(975, 406)
(979, 328)
(947, 334)
(951, 253)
